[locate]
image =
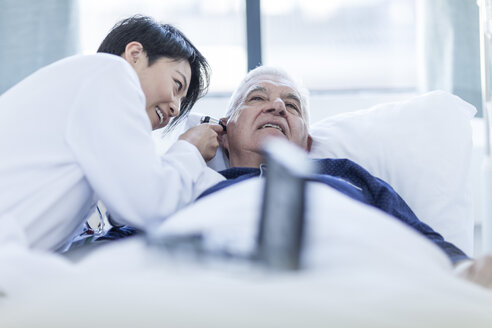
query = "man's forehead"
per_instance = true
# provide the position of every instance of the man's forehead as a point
(266, 82)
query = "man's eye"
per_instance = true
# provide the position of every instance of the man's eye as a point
(254, 98)
(293, 106)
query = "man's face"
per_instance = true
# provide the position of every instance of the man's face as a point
(271, 107)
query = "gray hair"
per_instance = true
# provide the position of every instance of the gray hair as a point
(238, 97)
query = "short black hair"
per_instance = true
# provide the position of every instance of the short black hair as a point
(161, 40)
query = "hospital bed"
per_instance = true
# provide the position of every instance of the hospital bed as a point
(359, 268)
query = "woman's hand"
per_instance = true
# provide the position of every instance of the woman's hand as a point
(204, 137)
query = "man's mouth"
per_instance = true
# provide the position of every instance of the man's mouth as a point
(271, 125)
(160, 114)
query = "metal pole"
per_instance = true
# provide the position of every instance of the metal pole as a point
(253, 33)
(485, 39)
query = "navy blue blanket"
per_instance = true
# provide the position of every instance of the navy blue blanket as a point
(354, 181)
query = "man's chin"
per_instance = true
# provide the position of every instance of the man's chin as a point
(269, 136)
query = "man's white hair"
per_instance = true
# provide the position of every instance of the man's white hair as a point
(238, 97)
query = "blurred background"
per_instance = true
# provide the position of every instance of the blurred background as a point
(351, 54)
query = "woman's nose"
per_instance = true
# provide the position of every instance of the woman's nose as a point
(174, 107)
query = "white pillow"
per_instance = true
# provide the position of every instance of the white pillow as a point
(422, 147)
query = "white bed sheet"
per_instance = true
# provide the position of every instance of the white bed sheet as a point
(362, 269)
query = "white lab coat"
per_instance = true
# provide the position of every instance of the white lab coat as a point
(76, 132)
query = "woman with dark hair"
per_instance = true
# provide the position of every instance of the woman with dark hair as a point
(80, 130)
(161, 41)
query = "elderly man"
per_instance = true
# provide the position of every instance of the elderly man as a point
(269, 103)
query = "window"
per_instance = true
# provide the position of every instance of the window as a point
(335, 45)
(342, 44)
(216, 28)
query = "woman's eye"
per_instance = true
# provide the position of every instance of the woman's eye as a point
(179, 85)
(256, 98)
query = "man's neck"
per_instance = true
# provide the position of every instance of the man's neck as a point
(245, 159)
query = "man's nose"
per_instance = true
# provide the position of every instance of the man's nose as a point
(277, 106)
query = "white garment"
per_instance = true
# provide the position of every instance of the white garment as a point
(76, 131)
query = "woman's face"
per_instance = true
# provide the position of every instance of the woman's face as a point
(165, 83)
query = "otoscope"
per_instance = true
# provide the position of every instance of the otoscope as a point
(209, 119)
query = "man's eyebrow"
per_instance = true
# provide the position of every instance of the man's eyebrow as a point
(184, 78)
(255, 89)
(292, 96)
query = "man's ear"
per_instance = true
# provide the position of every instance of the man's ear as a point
(309, 143)
(224, 143)
(133, 52)
(223, 140)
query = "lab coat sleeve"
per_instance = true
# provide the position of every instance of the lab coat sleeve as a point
(110, 135)
(207, 176)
